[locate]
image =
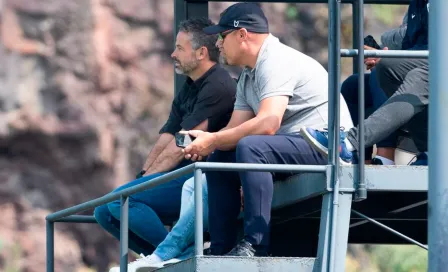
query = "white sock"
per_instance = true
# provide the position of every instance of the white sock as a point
(349, 145)
(385, 161)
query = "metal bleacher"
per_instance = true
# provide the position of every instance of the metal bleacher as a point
(319, 211)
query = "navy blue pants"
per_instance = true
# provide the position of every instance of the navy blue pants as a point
(223, 187)
(374, 98)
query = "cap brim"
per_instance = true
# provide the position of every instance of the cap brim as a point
(210, 30)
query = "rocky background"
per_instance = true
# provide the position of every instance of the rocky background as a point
(85, 86)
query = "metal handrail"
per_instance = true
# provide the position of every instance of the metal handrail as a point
(421, 54)
(68, 215)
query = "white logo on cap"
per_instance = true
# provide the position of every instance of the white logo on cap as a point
(236, 23)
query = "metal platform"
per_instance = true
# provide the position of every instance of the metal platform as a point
(225, 264)
(397, 197)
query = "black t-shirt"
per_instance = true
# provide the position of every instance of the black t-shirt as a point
(211, 97)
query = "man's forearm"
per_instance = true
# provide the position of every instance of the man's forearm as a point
(169, 158)
(260, 125)
(158, 148)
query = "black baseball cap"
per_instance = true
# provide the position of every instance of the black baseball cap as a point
(241, 15)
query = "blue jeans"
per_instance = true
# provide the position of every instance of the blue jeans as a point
(149, 211)
(374, 98)
(180, 241)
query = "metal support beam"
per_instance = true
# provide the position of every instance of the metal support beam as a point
(333, 259)
(124, 226)
(438, 129)
(391, 230)
(50, 245)
(341, 235)
(355, 31)
(217, 166)
(199, 224)
(361, 191)
(334, 72)
(197, 9)
(78, 219)
(323, 247)
(423, 54)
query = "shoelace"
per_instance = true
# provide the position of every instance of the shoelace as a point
(325, 132)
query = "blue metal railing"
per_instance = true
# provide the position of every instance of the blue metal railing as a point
(68, 215)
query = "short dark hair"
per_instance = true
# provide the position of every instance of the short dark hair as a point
(198, 37)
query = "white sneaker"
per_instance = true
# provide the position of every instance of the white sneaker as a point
(145, 263)
(158, 265)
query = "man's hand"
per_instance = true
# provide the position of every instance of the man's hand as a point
(371, 62)
(203, 145)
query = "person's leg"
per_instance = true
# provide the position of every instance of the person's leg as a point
(181, 236)
(349, 90)
(150, 209)
(406, 80)
(385, 148)
(112, 225)
(224, 204)
(258, 186)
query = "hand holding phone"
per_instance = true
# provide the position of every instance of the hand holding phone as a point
(370, 42)
(183, 140)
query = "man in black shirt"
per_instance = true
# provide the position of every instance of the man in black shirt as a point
(205, 102)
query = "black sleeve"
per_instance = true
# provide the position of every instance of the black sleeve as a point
(172, 125)
(213, 102)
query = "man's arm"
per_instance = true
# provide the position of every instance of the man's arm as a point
(266, 122)
(171, 155)
(161, 144)
(393, 39)
(238, 118)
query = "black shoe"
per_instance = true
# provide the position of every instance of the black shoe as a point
(208, 252)
(246, 249)
(376, 161)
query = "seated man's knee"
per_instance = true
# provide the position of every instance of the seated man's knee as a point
(101, 214)
(114, 208)
(246, 147)
(384, 68)
(349, 88)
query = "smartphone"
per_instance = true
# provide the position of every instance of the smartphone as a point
(370, 41)
(182, 140)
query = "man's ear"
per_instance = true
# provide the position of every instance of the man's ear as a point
(242, 34)
(201, 53)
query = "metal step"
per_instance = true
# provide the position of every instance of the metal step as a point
(256, 264)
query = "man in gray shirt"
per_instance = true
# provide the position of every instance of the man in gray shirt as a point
(279, 91)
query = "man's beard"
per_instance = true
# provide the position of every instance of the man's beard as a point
(223, 59)
(186, 68)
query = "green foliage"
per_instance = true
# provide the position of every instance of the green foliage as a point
(292, 12)
(387, 14)
(403, 258)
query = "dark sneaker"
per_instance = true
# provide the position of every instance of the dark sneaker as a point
(319, 140)
(207, 252)
(422, 160)
(376, 161)
(245, 249)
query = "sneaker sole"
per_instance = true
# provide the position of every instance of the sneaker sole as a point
(320, 148)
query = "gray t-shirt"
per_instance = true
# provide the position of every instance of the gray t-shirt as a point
(283, 71)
